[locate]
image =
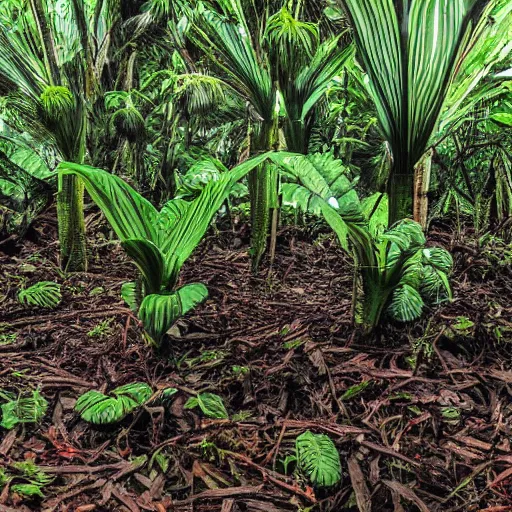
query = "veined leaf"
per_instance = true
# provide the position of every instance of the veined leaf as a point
(100, 409)
(502, 118)
(45, 294)
(439, 258)
(130, 295)
(319, 459)
(406, 304)
(190, 228)
(435, 285)
(130, 215)
(159, 312)
(210, 404)
(149, 261)
(28, 409)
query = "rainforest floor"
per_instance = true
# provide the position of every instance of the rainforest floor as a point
(421, 414)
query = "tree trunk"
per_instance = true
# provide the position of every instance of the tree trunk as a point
(263, 191)
(70, 211)
(421, 187)
(400, 193)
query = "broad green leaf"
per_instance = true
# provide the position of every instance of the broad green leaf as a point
(319, 459)
(502, 118)
(406, 304)
(149, 261)
(24, 409)
(439, 258)
(130, 215)
(191, 227)
(435, 285)
(100, 409)
(375, 210)
(159, 312)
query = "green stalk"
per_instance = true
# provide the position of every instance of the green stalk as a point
(375, 299)
(401, 194)
(70, 213)
(263, 192)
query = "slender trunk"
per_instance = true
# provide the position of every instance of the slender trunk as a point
(89, 78)
(263, 191)
(401, 193)
(421, 187)
(70, 210)
(47, 43)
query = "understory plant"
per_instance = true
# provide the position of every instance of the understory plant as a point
(158, 242)
(399, 273)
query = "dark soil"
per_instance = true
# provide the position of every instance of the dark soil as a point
(279, 347)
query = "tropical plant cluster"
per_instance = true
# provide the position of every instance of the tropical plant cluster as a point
(377, 119)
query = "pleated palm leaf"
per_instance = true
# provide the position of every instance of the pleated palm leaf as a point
(410, 49)
(158, 242)
(303, 67)
(489, 48)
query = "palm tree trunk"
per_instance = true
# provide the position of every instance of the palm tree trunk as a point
(70, 212)
(421, 188)
(400, 193)
(48, 45)
(263, 182)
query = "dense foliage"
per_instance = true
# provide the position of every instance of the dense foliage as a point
(367, 121)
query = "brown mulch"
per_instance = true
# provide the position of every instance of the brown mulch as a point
(279, 347)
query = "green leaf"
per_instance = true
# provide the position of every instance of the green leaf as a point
(130, 295)
(23, 410)
(502, 118)
(149, 261)
(130, 215)
(355, 390)
(191, 226)
(439, 258)
(210, 404)
(406, 304)
(375, 209)
(45, 294)
(410, 72)
(100, 409)
(435, 285)
(319, 459)
(28, 490)
(159, 312)
(320, 178)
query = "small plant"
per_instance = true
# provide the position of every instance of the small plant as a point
(22, 409)
(33, 478)
(399, 274)
(8, 339)
(45, 294)
(318, 457)
(210, 404)
(102, 329)
(159, 243)
(99, 409)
